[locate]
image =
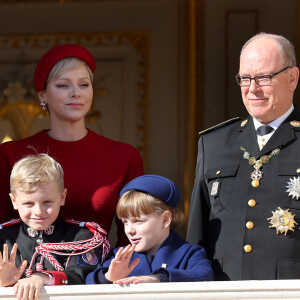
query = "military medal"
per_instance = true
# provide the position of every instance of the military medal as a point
(257, 174)
(282, 220)
(294, 187)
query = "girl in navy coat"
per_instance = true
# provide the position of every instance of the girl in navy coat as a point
(147, 208)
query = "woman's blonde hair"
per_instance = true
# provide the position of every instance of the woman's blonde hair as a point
(135, 203)
(67, 64)
(33, 170)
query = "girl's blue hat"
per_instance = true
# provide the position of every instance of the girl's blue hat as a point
(157, 186)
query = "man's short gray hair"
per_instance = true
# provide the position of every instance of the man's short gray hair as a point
(286, 47)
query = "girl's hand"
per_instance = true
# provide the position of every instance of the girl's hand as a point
(119, 266)
(138, 279)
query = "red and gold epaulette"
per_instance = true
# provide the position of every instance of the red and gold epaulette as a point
(10, 223)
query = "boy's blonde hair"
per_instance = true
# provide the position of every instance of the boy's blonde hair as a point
(33, 170)
(67, 64)
(135, 203)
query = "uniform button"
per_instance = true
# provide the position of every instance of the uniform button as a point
(298, 171)
(218, 172)
(252, 202)
(262, 145)
(247, 248)
(262, 139)
(249, 225)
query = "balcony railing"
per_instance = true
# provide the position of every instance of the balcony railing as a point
(246, 290)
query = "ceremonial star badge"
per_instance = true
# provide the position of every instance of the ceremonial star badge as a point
(294, 187)
(282, 220)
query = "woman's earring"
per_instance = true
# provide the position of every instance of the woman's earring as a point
(43, 105)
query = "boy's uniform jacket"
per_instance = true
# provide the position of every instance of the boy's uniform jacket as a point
(181, 260)
(61, 232)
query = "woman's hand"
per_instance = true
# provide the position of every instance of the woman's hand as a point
(29, 288)
(138, 279)
(119, 266)
(9, 273)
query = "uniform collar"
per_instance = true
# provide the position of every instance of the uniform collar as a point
(283, 135)
(276, 123)
(49, 231)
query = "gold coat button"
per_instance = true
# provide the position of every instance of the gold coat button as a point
(252, 202)
(247, 248)
(249, 225)
(298, 171)
(218, 172)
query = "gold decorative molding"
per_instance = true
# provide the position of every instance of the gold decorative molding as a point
(15, 110)
(192, 97)
(20, 114)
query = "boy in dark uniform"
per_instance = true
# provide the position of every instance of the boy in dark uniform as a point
(57, 251)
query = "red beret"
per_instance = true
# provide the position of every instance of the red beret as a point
(51, 57)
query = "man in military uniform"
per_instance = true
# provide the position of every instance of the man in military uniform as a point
(245, 206)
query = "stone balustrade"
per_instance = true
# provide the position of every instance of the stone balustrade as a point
(246, 290)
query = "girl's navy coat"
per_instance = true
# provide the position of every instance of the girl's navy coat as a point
(182, 261)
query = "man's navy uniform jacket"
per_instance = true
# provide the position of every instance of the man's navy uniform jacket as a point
(229, 217)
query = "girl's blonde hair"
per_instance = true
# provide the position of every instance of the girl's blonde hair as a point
(135, 203)
(67, 64)
(33, 170)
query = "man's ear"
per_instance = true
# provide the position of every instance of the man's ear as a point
(13, 201)
(167, 218)
(293, 79)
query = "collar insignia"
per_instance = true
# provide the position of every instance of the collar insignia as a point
(282, 220)
(34, 233)
(244, 123)
(295, 123)
(49, 230)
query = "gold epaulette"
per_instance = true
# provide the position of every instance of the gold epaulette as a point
(219, 125)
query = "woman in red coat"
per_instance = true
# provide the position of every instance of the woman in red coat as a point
(96, 168)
